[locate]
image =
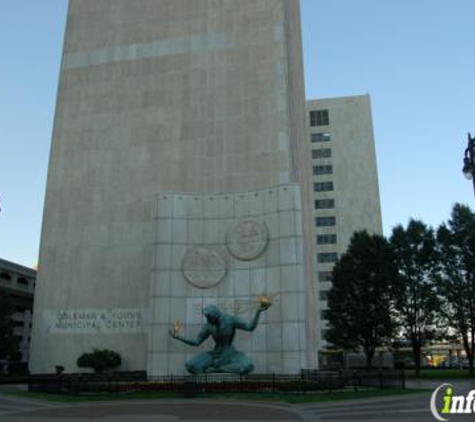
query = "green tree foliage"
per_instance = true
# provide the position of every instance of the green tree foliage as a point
(8, 342)
(415, 297)
(456, 243)
(360, 301)
(100, 360)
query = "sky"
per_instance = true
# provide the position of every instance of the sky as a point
(416, 59)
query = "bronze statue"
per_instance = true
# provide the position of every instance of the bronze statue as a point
(222, 327)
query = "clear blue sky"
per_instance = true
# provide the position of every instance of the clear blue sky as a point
(416, 58)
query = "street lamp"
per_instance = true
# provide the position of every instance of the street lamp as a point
(469, 161)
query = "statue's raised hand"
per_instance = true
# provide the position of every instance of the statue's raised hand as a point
(264, 306)
(265, 302)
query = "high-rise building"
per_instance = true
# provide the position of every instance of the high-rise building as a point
(179, 135)
(345, 192)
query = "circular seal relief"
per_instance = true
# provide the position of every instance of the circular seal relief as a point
(247, 239)
(204, 266)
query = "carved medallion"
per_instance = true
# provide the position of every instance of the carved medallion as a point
(204, 266)
(247, 239)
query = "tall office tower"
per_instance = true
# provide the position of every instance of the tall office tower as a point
(344, 187)
(174, 182)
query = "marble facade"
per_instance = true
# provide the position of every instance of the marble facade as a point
(228, 249)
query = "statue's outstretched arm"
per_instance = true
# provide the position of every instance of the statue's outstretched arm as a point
(248, 326)
(202, 336)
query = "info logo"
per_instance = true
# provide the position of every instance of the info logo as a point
(451, 404)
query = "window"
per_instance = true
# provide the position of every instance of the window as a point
(324, 294)
(325, 276)
(324, 314)
(22, 280)
(326, 169)
(325, 221)
(326, 239)
(327, 258)
(321, 137)
(319, 118)
(321, 204)
(323, 187)
(5, 276)
(321, 153)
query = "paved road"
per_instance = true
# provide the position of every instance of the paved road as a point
(406, 408)
(13, 410)
(12, 405)
(403, 408)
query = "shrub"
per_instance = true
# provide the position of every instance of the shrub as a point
(100, 360)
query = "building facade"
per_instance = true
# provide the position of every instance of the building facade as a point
(345, 191)
(169, 112)
(19, 283)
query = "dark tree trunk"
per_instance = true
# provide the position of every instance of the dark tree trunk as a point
(470, 364)
(468, 352)
(369, 358)
(416, 353)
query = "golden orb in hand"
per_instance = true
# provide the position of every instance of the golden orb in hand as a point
(176, 327)
(265, 301)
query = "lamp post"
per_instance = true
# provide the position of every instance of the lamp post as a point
(469, 161)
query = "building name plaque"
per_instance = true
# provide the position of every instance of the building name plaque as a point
(95, 321)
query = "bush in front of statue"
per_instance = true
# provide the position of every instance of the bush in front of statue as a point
(100, 360)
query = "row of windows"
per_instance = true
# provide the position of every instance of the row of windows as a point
(322, 118)
(326, 239)
(323, 187)
(322, 204)
(325, 276)
(325, 169)
(321, 137)
(20, 280)
(319, 118)
(321, 153)
(325, 221)
(327, 257)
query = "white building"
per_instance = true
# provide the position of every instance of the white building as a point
(345, 192)
(176, 121)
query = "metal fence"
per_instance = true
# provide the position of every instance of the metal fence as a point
(306, 381)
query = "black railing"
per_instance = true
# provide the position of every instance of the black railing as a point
(306, 381)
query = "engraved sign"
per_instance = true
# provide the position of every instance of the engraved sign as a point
(247, 239)
(94, 321)
(204, 266)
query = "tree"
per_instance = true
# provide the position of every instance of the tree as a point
(8, 341)
(359, 303)
(100, 360)
(456, 245)
(415, 296)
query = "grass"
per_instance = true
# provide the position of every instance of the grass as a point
(290, 398)
(441, 374)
